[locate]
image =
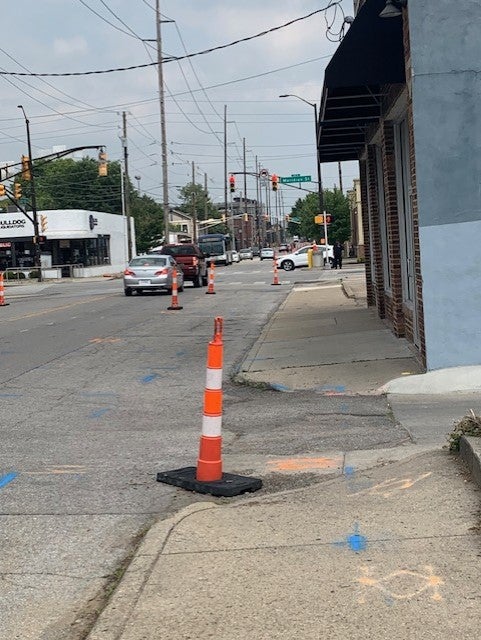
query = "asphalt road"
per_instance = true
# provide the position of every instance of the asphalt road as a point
(98, 393)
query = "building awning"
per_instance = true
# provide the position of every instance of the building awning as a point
(370, 57)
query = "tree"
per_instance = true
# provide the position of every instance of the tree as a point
(149, 221)
(203, 202)
(335, 203)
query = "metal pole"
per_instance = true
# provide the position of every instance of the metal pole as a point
(33, 198)
(165, 179)
(245, 222)
(225, 162)
(339, 166)
(318, 155)
(194, 205)
(126, 185)
(206, 212)
(124, 219)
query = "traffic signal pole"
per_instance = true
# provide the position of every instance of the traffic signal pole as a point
(33, 200)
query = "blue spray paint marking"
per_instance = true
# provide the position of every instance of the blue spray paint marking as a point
(4, 480)
(279, 387)
(181, 353)
(339, 388)
(344, 408)
(356, 542)
(98, 413)
(10, 395)
(149, 378)
(349, 472)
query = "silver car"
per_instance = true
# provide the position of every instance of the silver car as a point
(151, 273)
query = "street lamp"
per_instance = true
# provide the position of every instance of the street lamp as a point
(316, 123)
(138, 178)
(37, 259)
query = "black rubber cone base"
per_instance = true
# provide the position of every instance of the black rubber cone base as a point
(229, 486)
(177, 308)
(275, 284)
(210, 293)
(5, 304)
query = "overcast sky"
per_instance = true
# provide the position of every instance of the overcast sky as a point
(58, 36)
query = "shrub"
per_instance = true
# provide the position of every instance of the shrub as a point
(470, 425)
(14, 275)
(34, 274)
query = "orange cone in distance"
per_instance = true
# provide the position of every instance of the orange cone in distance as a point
(210, 287)
(275, 281)
(2, 292)
(175, 306)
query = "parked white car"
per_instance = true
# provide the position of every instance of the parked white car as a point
(235, 257)
(299, 258)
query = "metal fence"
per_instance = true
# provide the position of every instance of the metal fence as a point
(55, 272)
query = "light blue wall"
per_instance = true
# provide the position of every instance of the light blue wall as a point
(446, 60)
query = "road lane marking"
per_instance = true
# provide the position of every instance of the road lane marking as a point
(108, 339)
(37, 314)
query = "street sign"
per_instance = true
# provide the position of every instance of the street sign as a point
(294, 178)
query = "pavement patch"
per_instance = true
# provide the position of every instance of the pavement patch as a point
(302, 464)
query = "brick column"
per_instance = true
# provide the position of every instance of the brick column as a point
(375, 237)
(371, 297)
(394, 303)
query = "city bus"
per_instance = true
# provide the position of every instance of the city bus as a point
(217, 246)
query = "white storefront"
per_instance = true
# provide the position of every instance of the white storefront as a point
(77, 242)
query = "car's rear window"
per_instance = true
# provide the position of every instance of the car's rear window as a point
(179, 250)
(148, 261)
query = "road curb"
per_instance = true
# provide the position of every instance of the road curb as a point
(470, 451)
(113, 620)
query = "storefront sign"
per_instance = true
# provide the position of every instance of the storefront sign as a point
(5, 245)
(12, 223)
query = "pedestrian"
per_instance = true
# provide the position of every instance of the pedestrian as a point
(337, 250)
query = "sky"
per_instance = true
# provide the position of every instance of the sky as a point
(71, 36)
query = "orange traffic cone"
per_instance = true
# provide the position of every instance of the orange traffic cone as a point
(208, 476)
(210, 287)
(275, 282)
(175, 306)
(209, 462)
(2, 292)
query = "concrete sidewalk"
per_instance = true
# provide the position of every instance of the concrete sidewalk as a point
(386, 546)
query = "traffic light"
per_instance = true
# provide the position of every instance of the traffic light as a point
(42, 239)
(232, 184)
(246, 217)
(43, 223)
(17, 191)
(275, 181)
(26, 175)
(103, 169)
(223, 218)
(2, 190)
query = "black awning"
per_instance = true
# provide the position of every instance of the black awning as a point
(370, 57)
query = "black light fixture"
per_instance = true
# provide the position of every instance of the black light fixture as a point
(393, 8)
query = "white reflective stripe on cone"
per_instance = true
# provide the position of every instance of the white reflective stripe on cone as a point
(212, 426)
(213, 379)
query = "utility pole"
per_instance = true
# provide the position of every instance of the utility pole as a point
(206, 210)
(126, 185)
(339, 166)
(194, 205)
(33, 198)
(165, 178)
(227, 213)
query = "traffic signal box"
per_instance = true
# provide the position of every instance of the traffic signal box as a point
(43, 223)
(103, 167)
(3, 193)
(275, 182)
(26, 174)
(17, 191)
(232, 184)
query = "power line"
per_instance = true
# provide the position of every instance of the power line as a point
(332, 3)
